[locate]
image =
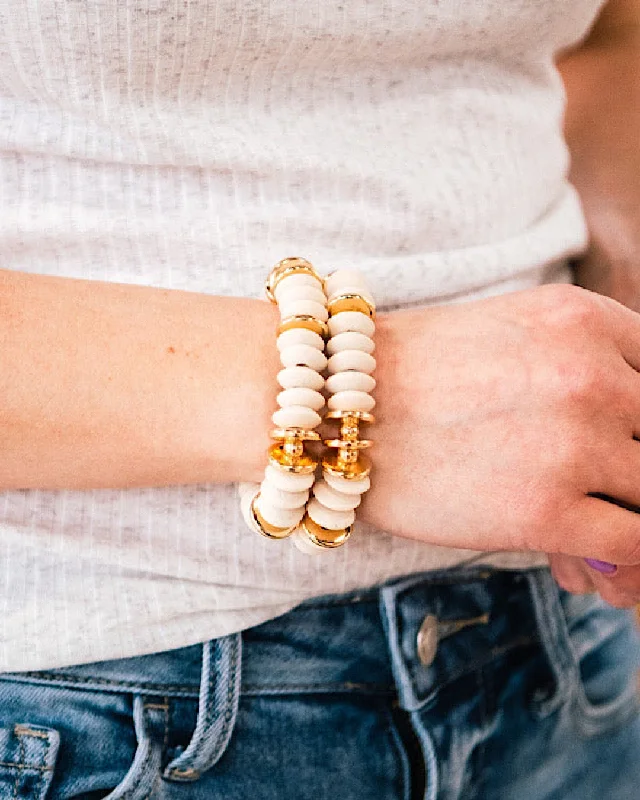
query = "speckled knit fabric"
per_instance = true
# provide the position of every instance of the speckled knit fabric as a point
(191, 144)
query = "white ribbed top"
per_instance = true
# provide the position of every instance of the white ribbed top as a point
(191, 145)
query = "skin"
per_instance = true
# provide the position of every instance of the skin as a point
(503, 424)
(498, 421)
(602, 129)
(114, 385)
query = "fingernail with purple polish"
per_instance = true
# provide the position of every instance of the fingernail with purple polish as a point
(602, 566)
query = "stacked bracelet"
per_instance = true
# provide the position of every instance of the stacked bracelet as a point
(275, 507)
(341, 308)
(345, 469)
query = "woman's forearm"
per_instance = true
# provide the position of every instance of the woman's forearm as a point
(114, 385)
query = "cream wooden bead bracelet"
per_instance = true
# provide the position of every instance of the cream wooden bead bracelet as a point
(330, 514)
(312, 310)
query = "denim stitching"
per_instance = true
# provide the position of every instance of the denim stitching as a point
(42, 788)
(298, 688)
(126, 686)
(20, 765)
(21, 730)
(22, 758)
(165, 743)
(17, 780)
(191, 693)
(401, 752)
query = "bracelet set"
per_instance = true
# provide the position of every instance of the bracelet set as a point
(325, 326)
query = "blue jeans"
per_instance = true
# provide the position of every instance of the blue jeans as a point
(463, 684)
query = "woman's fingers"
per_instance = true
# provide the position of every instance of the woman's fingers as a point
(574, 574)
(618, 474)
(571, 573)
(621, 589)
(600, 529)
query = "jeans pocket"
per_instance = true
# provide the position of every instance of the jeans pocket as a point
(606, 647)
(27, 760)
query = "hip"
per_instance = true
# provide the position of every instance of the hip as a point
(463, 683)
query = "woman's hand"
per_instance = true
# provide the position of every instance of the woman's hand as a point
(620, 589)
(602, 128)
(497, 421)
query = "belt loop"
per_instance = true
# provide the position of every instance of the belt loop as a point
(217, 709)
(554, 634)
(149, 719)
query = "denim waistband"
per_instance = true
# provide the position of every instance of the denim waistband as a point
(409, 638)
(507, 605)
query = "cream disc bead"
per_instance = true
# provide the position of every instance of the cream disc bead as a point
(281, 498)
(337, 501)
(348, 487)
(296, 336)
(351, 321)
(343, 277)
(302, 541)
(350, 381)
(295, 293)
(359, 289)
(350, 340)
(246, 499)
(328, 518)
(296, 417)
(351, 401)
(295, 281)
(303, 377)
(351, 359)
(303, 355)
(301, 397)
(287, 481)
(309, 307)
(277, 516)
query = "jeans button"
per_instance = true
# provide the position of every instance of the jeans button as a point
(427, 640)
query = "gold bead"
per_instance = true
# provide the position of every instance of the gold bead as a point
(361, 416)
(293, 439)
(323, 537)
(351, 302)
(282, 460)
(293, 448)
(286, 267)
(352, 471)
(304, 321)
(350, 432)
(265, 528)
(301, 434)
(349, 444)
